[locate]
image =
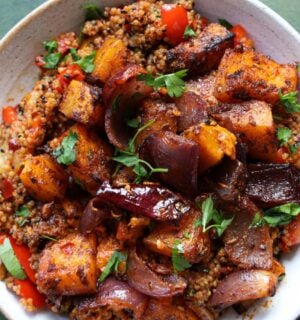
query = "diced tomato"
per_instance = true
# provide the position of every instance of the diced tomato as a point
(23, 254)
(280, 152)
(39, 61)
(291, 235)
(29, 291)
(176, 20)
(241, 36)
(7, 189)
(72, 72)
(9, 115)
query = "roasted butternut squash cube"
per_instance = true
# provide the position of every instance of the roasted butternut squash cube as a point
(92, 164)
(81, 103)
(68, 266)
(214, 143)
(249, 74)
(110, 57)
(253, 120)
(43, 178)
(196, 244)
(202, 54)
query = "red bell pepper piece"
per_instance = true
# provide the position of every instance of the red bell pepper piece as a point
(7, 189)
(9, 115)
(72, 72)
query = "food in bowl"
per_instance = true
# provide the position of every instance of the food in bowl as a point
(152, 171)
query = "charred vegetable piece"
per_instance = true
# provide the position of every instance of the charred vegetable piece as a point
(116, 295)
(193, 110)
(214, 142)
(195, 243)
(244, 285)
(246, 246)
(68, 266)
(143, 279)
(92, 164)
(165, 115)
(150, 200)
(43, 178)
(178, 154)
(159, 310)
(202, 54)
(253, 120)
(249, 74)
(110, 57)
(271, 185)
(122, 94)
(81, 103)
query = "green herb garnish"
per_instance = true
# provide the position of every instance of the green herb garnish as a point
(132, 123)
(283, 135)
(187, 235)
(52, 59)
(277, 216)
(113, 264)
(172, 82)
(210, 214)
(129, 158)
(290, 101)
(178, 259)
(65, 153)
(86, 63)
(225, 24)
(10, 260)
(294, 147)
(50, 46)
(189, 33)
(92, 12)
(44, 236)
(22, 213)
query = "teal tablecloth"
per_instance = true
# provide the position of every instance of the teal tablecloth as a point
(13, 10)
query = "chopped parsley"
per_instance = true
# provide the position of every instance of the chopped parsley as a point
(113, 264)
(210, 214)
(283, 134)
(10, 260)
(50, 46)
(226, 24)
(52, 58)
(189, 33)
(129, 158)
(65, 153)
(178, 259)
(92, 12)
(172, 82)
(276, 216)
(294, 147)
(290, 101)
(86, 63)
(22, 213)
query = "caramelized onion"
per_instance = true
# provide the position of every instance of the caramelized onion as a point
(143, 279)
(242, 286)
(152, 201)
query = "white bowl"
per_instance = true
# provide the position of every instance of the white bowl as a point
(272, 35)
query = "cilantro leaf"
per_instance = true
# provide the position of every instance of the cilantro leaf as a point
(277, 216)
(207, 208)
(290, 101)
(113, 264)
(52, 60)
(189, 33)
(172, 82)
(294, 147)
(50, 46)
(178, 259)
(86, 63)
(65, 153)
(92, 12)
(283, 134)
(225, 23)
(22, 212)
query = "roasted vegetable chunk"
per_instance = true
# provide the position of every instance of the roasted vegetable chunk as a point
(109, 58)
(271, 185)
(249, 74)
(253, 120)
(93, 158)
(196, 244)
(244, 285)
(214, 143)
(68, 266)
(165, 115)
(43, 178)
(81, 103)
(202, 54)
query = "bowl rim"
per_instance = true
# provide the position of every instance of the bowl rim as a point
(9, 36)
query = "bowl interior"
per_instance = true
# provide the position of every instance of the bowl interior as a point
(273, 36)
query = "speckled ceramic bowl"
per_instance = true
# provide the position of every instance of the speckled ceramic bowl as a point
(272, 35)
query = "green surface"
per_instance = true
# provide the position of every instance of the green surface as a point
(14, 10)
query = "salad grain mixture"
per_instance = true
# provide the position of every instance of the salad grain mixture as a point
(153, 170)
